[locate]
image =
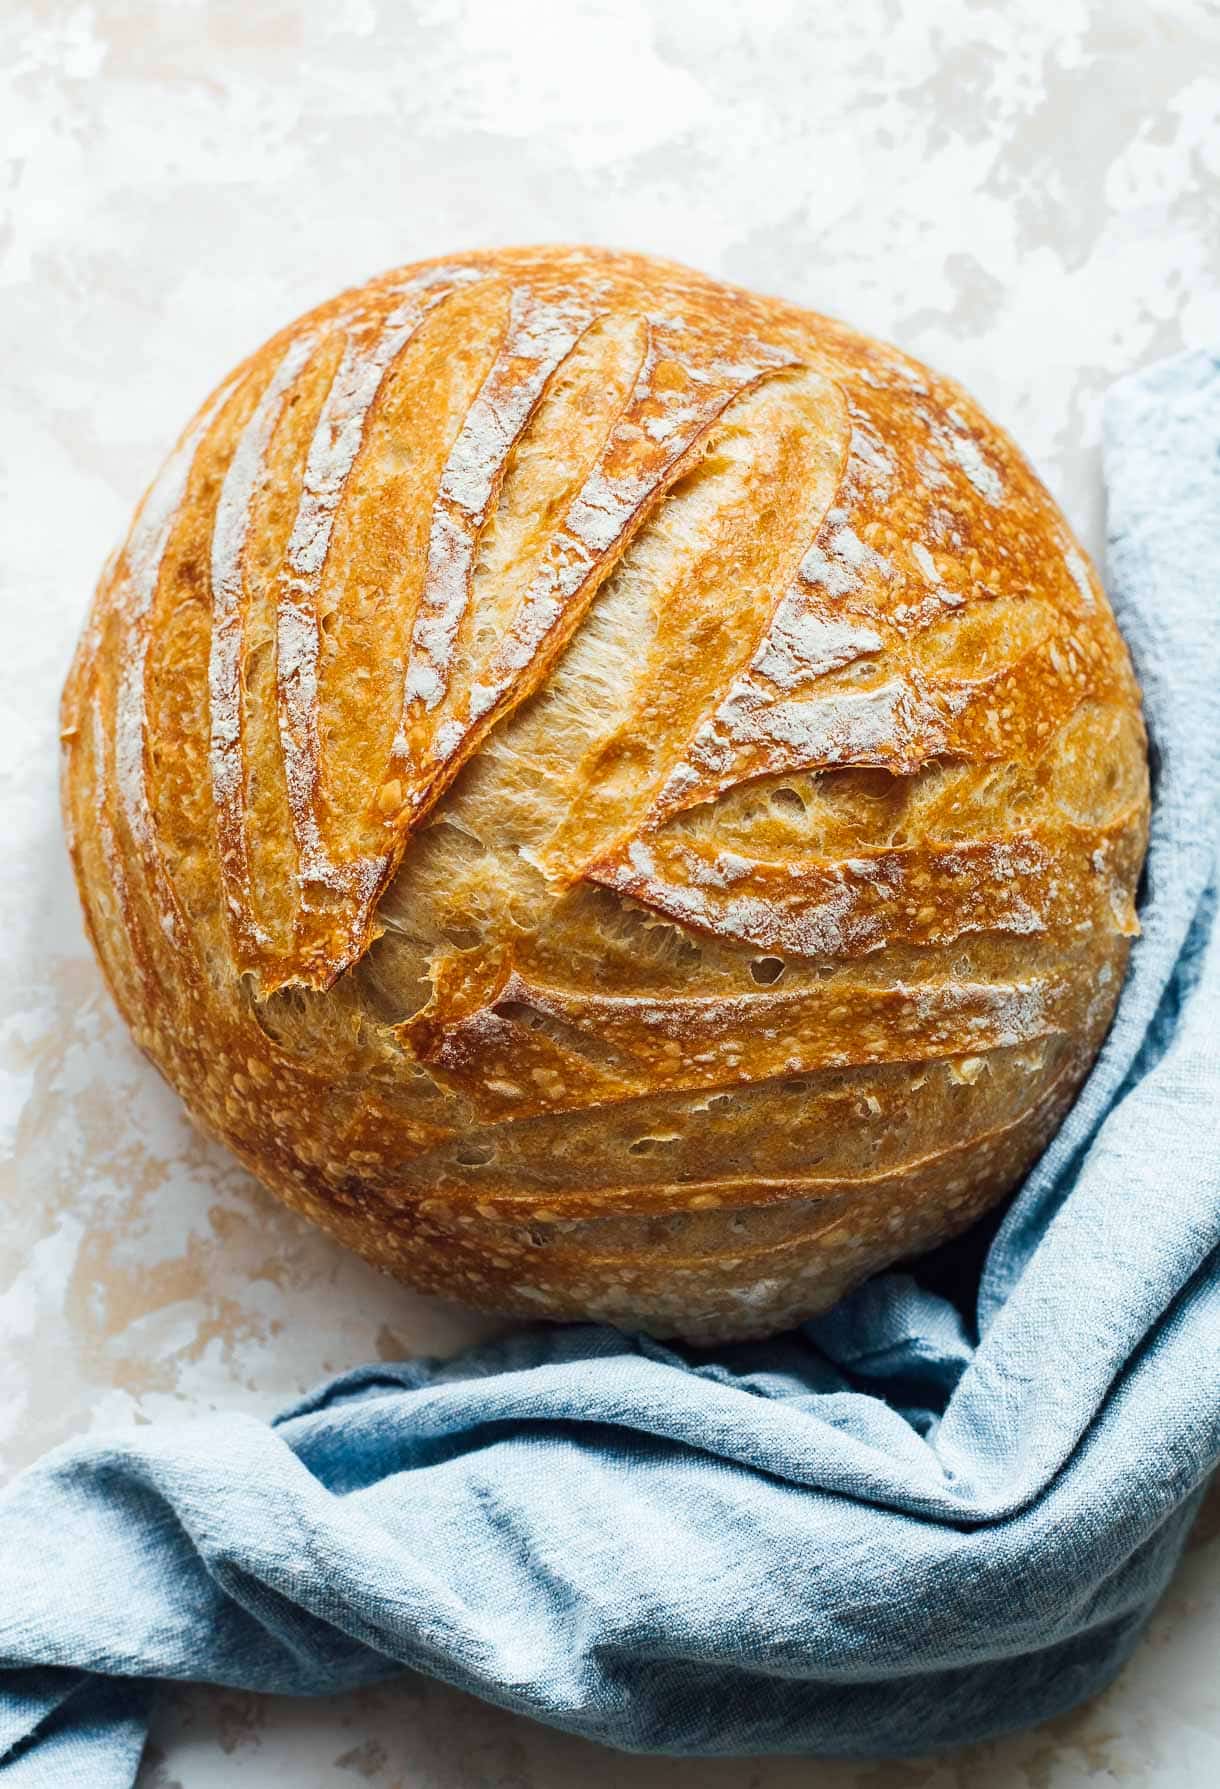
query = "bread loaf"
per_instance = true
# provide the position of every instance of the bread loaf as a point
(616, 796)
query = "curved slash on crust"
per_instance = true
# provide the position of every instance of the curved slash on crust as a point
(131, 600)
(336, 442)
(675, 400)
(246, 475)
(510, 1204)
(683, 1043)
(866, 1194)
(119, 886)
(540, 336)
(897, 724)
(1049, 876)
(781, 454)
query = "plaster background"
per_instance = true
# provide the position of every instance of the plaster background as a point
(1025, 194)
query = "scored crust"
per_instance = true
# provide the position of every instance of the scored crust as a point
(615, 795)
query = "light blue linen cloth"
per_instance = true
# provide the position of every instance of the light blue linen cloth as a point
(910, 1524)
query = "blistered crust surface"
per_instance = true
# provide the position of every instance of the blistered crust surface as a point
(613, 794)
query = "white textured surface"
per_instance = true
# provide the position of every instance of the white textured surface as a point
(1026, 195)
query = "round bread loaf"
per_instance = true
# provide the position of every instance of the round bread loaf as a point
(616, 796)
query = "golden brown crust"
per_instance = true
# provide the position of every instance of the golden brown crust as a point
(613, 794)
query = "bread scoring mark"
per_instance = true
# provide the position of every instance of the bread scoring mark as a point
(245, 477)
(899, 723)
(85, 660)
(510, 1203)
(899, 548)
(131, 598)
(781, 444)
(802, 644)
(932, 893)
(367, 358)
(541, 334)
(891, 724)
(677, 395)
(835, 566)
(116, 872)
(812, 632)
(864, 1191)
(697, 1041)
